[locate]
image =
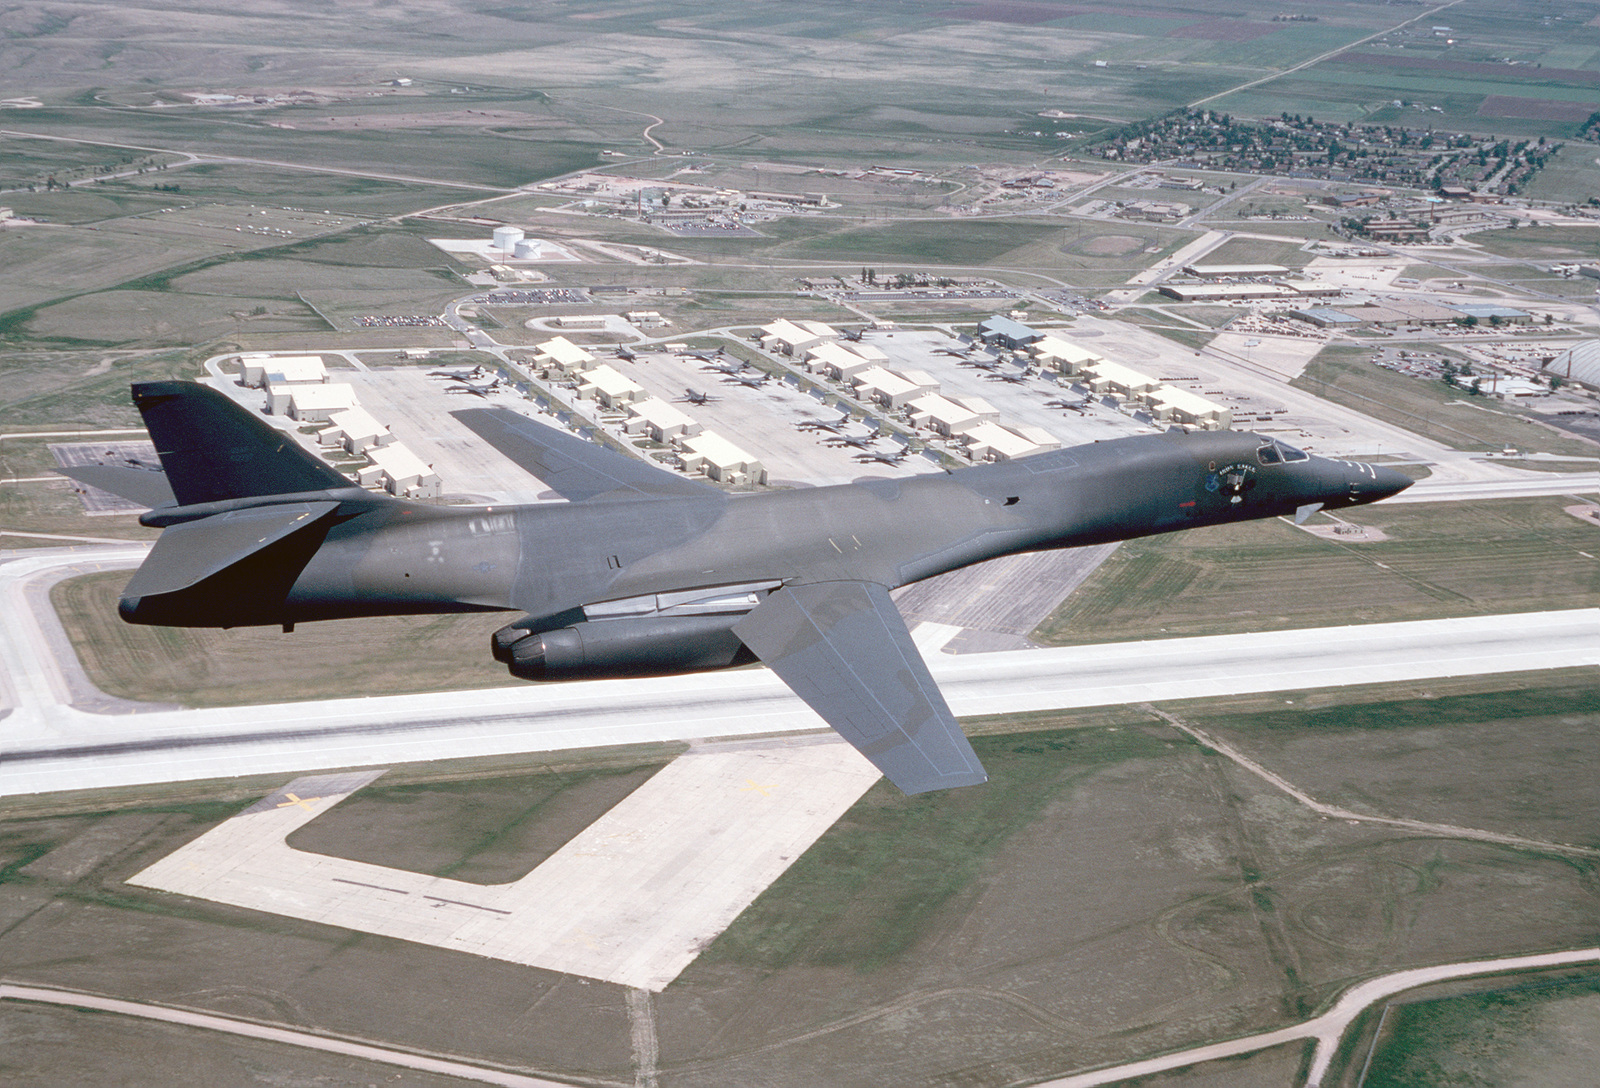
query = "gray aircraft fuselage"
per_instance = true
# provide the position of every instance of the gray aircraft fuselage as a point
(547, 559)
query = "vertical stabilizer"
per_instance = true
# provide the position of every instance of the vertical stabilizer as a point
(214, 449)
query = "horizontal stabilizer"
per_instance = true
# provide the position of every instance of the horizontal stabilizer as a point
(214, 449)
(147, 487)
(844, 648)
(195, 550)
(572, 467)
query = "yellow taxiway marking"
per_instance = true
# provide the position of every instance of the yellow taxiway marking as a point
(751, 784)
(304, 803)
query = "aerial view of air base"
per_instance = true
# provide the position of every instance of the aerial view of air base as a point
(868, 544)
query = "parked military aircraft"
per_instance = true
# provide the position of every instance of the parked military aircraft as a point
(458, 375)
(1079, 406)
(479, 389)
(832, 426)
(858, 441)
(738, 366)
(624, 354)
(644, 571)
(694, 396)
(894, 457)
(755, 379)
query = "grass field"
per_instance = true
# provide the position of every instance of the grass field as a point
(1473, 558)
(1115, 890)
(213, 667)
(1536, 1032)
(1555, 244)
(1260, 251)
(1347, 376)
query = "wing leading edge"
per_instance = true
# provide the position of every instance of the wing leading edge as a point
(844, 648)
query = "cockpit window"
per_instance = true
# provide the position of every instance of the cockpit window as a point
(1292, 454)
(1268, 454)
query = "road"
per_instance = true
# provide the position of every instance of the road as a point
(77, 999)
(54, 740)
(1346, 47)
(1328, 1028)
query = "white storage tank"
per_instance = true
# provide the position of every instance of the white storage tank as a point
(506, 238)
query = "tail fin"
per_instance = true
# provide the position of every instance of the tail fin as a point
(214, 449)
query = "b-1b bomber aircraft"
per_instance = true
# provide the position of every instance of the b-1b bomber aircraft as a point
(644, 571)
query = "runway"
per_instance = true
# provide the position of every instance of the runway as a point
(51, 744)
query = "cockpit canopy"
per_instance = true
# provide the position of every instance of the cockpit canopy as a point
(1276, 452)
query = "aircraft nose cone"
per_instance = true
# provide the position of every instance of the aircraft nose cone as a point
(1389, 482)
(1369, 483)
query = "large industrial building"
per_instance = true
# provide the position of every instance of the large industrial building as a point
(258, 368)
(720, 460)
(610, 388)
(400, 472)
(1580, 364)
(785, 337)
(561, 358)
(313, 403)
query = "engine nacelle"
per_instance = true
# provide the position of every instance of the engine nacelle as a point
(638, 646)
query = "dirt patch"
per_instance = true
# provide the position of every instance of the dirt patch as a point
(1107, 245)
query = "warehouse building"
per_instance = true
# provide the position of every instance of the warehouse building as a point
(1580, 364)
(720, 460)
(315, 403)
(1063, 355)
(660, 421)
(1006, 333)
(610, 388)
(1227, 292)
(1490, 314)
(562, 358)
(356, 430)
(950, 416)
(992, 442)
(1326, 317)
(1210, 271)
(893, 388)
(836, 361)
(289, 369)
(400, 472)
(1172, 405)
(785, 337)
(1118, 380)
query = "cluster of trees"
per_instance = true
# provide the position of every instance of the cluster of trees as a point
(907, 279)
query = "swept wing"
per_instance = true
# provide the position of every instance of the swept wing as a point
(572, 467)
(845, 650)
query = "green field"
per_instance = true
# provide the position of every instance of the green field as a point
(1271, 576)
(213, 667)
(1537, 1032)
(1346, 375)
(1116, 890)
